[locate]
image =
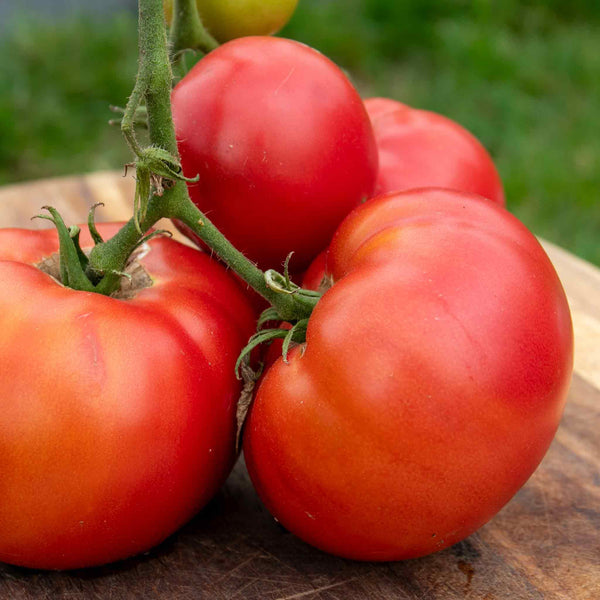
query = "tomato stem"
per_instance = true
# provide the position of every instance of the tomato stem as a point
(291, 305)
(165, 193)
(188, 31)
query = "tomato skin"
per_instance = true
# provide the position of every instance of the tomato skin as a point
(431, 383)
(118, 415)
(281, 142)
(419, 148)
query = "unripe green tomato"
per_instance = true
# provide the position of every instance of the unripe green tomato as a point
(229, 19)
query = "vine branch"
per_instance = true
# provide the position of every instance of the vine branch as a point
(188, 31)
(160, 161)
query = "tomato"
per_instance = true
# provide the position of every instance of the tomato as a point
(282, 145)
(229, 19)
(118, 415)
(418, 148)
(431, 383)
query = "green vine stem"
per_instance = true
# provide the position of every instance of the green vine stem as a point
(188, 31)
(153, 85)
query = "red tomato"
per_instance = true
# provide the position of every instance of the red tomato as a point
(118, 415)
(419, 148)
(282, 143)
(431, 383)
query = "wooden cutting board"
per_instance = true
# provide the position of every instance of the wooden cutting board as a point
(545, 544)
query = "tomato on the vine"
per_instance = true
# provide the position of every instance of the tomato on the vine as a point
(118, 414)
(282, 145)
(229, 19)
(430, 385)
(419, 148)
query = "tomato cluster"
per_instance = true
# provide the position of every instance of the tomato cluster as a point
(432, 376)
(435, 369)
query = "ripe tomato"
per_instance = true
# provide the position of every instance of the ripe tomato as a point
(229, 19)
(431, 383)
(419, 148)
(281, 142)
(117, 414)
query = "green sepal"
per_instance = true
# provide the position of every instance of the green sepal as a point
(286, 269)
(71, 271)
(64, 275)
(109, 282)
(155, 169)
(304, 300)
(267, 335)
(142, 195)
(279, 283)
(74, 232)
(92, 224)
(153, 234)
(268, 315)
(296, 334)
(282, 284)
(164, 164)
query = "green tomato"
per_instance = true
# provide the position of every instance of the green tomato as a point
(229, 19)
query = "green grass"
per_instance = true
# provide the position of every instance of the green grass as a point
(523, 75)
(56, 83)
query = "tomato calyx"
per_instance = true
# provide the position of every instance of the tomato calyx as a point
(71, 265)
(291, 336)
(303, 303)
(72, 260)
(296, 334)
(133, 278)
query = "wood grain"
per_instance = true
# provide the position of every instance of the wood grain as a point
(545, 544)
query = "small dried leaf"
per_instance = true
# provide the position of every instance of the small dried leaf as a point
(249, 377)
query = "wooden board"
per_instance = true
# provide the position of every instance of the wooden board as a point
(545, 544)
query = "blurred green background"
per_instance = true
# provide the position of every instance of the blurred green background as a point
(522, 75)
